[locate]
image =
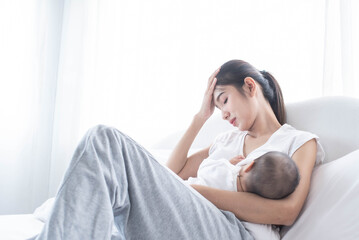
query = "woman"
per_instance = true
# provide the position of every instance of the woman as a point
(113, 179)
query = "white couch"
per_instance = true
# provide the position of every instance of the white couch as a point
(331, 210)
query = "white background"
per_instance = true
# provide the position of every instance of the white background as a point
(142, 67)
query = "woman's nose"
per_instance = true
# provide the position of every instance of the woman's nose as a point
(225, 115)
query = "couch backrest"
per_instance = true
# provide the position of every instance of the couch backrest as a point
(334, 119)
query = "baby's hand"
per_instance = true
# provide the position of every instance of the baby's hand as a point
(236, 159)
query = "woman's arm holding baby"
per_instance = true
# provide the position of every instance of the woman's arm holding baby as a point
(253, 208)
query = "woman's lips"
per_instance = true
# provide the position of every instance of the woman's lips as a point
(233, 121)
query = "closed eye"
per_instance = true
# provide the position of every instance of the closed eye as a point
(225, 101)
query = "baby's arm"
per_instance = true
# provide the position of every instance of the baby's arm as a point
(236, 159)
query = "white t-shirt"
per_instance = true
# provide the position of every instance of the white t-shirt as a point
(286, 139)
(216, 170)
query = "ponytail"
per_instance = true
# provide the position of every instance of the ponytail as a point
(276, 98)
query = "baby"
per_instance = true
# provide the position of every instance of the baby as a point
(273, 175)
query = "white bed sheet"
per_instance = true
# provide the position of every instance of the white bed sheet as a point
(19, 227)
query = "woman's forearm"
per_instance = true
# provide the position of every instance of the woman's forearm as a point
(178, 158)
(249, 207)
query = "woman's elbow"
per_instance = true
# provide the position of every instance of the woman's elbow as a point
(289, 221)
(291, 215)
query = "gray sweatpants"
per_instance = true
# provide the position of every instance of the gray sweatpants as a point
(113, 180)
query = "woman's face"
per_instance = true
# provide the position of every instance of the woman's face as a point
(236, 108)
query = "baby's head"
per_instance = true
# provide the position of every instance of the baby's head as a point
(273, 175)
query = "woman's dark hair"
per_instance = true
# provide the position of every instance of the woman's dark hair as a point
(235, 71)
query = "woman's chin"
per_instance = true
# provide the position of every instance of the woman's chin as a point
(242, 127)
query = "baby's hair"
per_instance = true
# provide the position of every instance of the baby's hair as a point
(274, 175)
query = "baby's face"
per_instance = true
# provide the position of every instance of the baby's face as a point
(242, 177)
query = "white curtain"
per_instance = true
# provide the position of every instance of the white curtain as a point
(341, 55)
(142, 67)
(29, 51)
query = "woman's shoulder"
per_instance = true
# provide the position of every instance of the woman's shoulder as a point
(289, 135)
(290, 131)
(291, 139)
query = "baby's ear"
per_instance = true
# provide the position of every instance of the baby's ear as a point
(249, 167)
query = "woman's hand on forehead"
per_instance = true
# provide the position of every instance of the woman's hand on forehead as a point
(208, 105)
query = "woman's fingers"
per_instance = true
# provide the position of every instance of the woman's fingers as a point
(213, 85)
(212, 77)
(207, 107)
(210, 90)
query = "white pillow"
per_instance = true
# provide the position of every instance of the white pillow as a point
(331, 210)
(42, 213)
